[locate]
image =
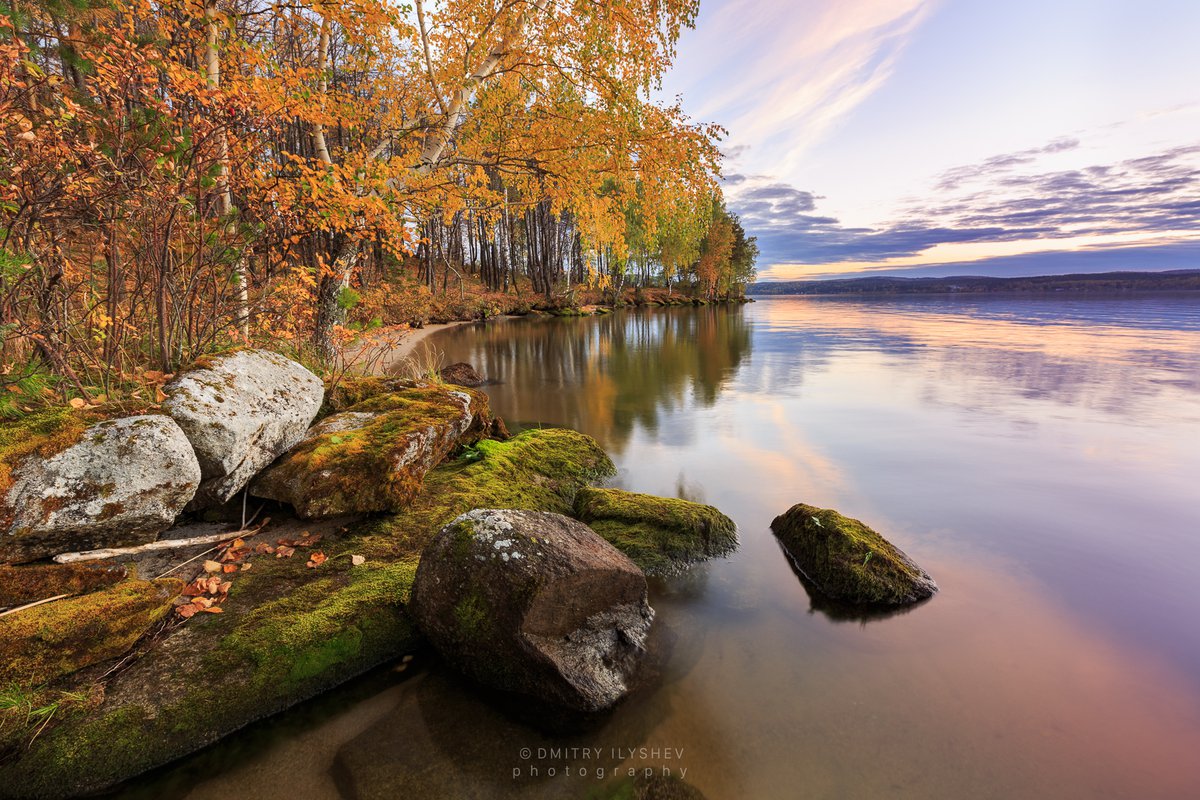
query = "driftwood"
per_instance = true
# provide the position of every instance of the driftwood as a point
(162, 544)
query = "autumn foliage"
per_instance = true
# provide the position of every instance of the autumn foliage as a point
(179, 177)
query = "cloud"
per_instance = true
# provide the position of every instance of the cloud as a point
(993, 201)
(801, 67)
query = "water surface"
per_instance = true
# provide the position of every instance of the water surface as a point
(1038, 456)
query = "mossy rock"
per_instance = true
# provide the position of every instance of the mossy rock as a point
(30, 582)
(289, 632)
(374, 455)
(40, 644)
(350, 390)
(848, 561)
(660, 534)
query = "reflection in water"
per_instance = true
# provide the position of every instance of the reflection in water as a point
(608, 374)
(1037, 457)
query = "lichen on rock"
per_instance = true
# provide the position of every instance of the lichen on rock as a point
(374, 455)
(848, 561)
(536, 604)
(660, 534)
(114, 483)
(240, 411)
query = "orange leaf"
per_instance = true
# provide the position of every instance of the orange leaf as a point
(187, 611)
(212, 566)
(316, 559)
(214, 610)
(229, 568)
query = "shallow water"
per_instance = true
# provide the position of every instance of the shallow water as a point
(1039, 456)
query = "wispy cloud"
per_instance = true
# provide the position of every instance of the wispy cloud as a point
(1000, 200)
(800, 67)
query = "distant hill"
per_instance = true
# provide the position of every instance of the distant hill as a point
(1174, 280)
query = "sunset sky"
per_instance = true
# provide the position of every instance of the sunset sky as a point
(927, 137)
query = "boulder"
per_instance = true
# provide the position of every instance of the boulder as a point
(31, 582)
(45, 642)
(660, 534)
(462, 374)
(848, 561)
(374, 456)
(241, 411)
(536, 604)
(117, 483)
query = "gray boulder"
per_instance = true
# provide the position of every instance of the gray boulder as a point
(121, 484)
(241, 411)
(536, 604)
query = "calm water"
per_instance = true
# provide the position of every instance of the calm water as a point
(1039, 457)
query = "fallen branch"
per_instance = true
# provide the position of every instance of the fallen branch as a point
(162, 544)
(34, 603)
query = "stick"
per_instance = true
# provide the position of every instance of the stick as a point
(164, 544)
(34, 603)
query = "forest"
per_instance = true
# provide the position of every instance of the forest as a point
(181, 178)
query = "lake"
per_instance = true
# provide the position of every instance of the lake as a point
(1039, 456)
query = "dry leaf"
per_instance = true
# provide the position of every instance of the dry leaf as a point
(358, 561)
(78, 402)
(212, 566)
(229, 568)
(213, 610)
(316, 559)
(202, 602)
(246, 566)
(284, 551)
(186, 611)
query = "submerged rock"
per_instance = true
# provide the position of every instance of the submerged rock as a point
(660, 534)
(848, 561)
(241, 411)
(32, 582)
(117, 483)
(462, 374)
(374, 456)
(536, 604)
(42, 643)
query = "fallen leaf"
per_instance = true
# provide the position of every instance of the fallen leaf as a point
(358, 561)
(78, 402)
(202, 602)
(213, 610)
(246, 566)
(263, 547)
(229, 568)
(212, 566)
(224, 588)
(284, 551)
(186, 611)
(316, 559)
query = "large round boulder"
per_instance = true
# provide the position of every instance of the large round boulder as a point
(536, 604)
(241, 411)
(117, 483)
(848, 561)
(373, 456)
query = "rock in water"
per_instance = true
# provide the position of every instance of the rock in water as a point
(534, 603)
(120, 483)
(462, 374)
(848, 561)
(373, 456)
(660, 534)
(241, 411)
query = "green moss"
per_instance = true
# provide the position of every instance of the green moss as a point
(350, 390)
(659, 534)
(30, 582)
(847, 560)
(322, 623)
(536, 470)
(42, 643)
(471, 614)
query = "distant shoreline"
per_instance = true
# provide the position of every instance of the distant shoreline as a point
(1174, 280)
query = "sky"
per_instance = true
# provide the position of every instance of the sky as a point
(954, 137)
